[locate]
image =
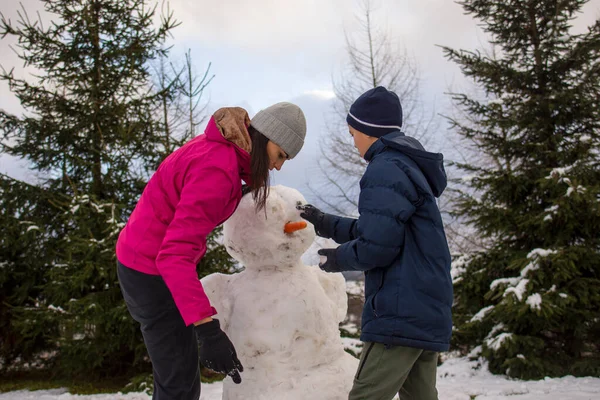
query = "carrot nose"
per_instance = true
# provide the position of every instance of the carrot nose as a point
(292, 227)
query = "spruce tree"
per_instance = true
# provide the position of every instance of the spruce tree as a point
(88, 129)
(529, 299)
(91, 134)
(24, 253)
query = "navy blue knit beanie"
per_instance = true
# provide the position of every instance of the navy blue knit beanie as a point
(376, 112)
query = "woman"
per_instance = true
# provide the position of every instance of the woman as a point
(194, 190)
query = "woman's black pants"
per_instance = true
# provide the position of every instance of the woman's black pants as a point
(172, 346)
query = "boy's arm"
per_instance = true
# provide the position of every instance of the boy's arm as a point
(329, 226)
(384, 210)
(340, 229)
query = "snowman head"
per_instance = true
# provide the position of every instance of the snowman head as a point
(256, 240)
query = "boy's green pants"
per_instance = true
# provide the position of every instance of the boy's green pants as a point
(384, 372)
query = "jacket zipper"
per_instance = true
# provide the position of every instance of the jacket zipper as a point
(376, 293)
(373, 304)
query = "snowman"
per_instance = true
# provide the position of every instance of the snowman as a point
(281, 315)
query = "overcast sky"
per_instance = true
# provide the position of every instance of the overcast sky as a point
(266, 51)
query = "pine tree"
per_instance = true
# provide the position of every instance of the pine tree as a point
(531, 297)
(24, 254)
(90, 131)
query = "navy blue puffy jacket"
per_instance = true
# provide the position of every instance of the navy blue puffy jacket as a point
(400, 244)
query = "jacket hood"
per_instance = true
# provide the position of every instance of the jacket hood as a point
(230, 125)
(233, 123)
(430, 164)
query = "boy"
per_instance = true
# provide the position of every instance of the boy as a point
(400, 244)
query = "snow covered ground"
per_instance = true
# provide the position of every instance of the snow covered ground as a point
(457, 380)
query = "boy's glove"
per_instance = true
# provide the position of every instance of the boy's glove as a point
(315, 216)
(216, 350)
(330, 264)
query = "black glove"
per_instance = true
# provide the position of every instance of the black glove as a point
(329, 265)
(315, 216)
(216, 350)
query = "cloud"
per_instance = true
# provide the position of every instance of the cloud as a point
(266, 51)
(326, 94)
(261, 25)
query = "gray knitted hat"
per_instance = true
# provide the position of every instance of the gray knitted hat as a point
(284, 124)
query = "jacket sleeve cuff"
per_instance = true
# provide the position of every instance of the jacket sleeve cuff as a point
(191, 317)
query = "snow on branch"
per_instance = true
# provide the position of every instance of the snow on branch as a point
(518, 285)
(481, 314)
(496, 342)
(534, 301)
(458, 267)
(56, 309)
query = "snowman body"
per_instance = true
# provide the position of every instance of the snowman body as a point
(281, 315)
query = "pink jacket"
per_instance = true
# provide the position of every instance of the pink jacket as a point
(194, 190)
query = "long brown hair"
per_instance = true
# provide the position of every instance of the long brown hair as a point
(259, 167)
